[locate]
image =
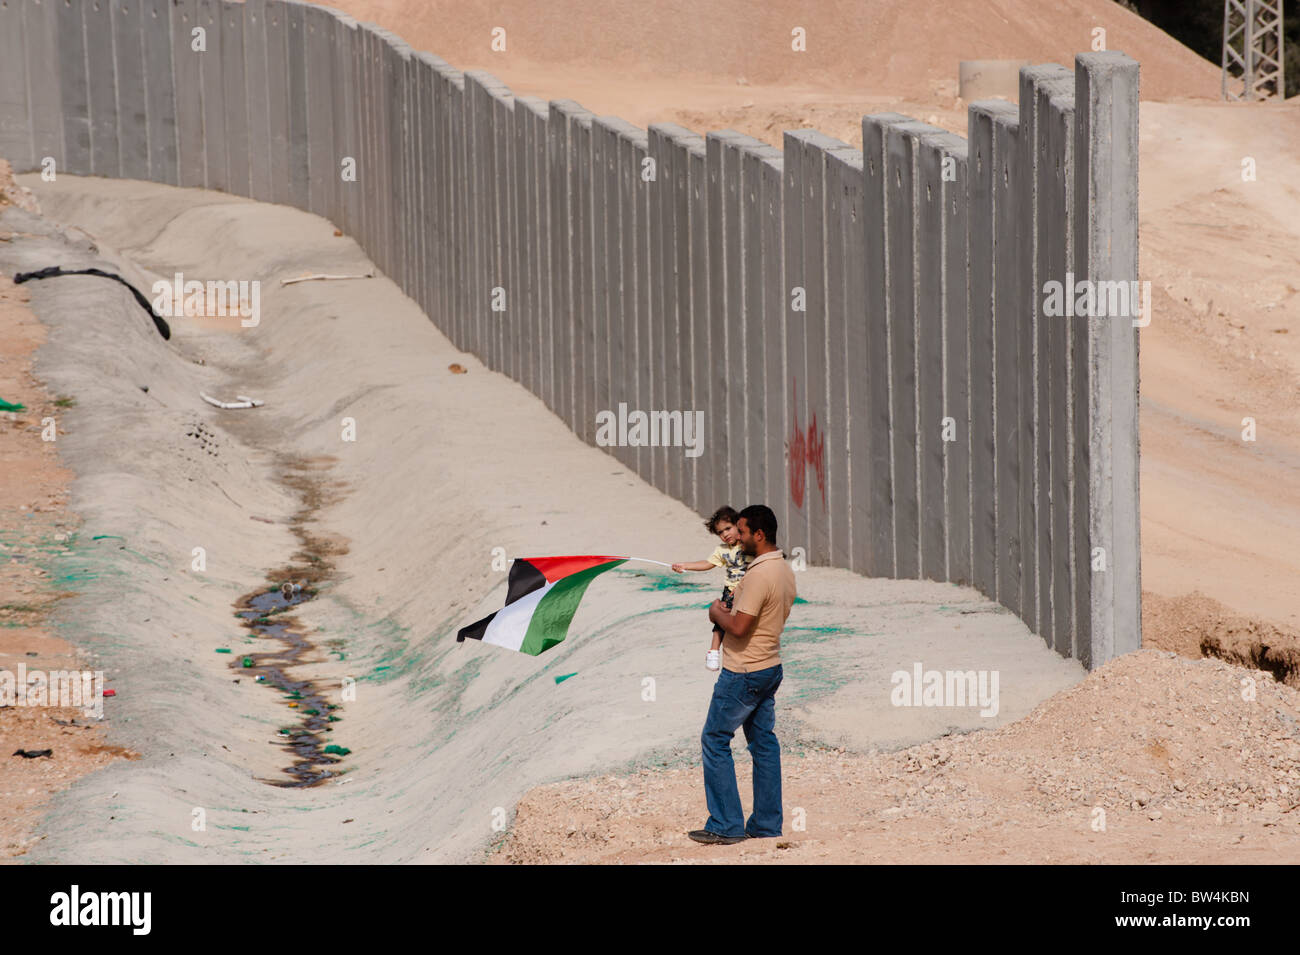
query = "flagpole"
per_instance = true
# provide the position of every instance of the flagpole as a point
(644, 560)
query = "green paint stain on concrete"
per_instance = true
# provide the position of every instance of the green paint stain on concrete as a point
(561, 679)
(671, 582)
(814, 634)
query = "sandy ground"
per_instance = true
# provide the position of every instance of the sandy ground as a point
(433, 484)
(1153, 759)
(634, 59)
(36, 530)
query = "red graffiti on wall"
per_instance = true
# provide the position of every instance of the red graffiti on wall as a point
(805, 450)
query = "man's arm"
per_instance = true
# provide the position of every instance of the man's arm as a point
(733, 623)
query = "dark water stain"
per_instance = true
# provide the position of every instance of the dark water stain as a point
(265, 614)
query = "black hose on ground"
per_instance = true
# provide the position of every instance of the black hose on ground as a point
(54, 271)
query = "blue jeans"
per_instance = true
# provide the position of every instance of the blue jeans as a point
(748, 700)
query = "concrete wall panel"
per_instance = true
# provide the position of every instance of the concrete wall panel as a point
(412, 190)
(656, 365)
(679, 351)
(521, 329)
(128, 65)
(1055, 257)
(664, 336)
(754, 317)
(481, 224)
(1037, 83)
(394, 57)
(380, 171)
(1009, 299)
(458, 192)
(930, 411)
(900, 253)
(44, 81)
(188, 94)
(631, 145)
(604, 226)
(837, 175)
(447, 183)
(317, 31)
(663, 329)
(541, 255)
(570, 295)
(15, 123)
(876, 553)
(537, 245)
(713, 462)
(212, 82)
(1105, 250)
(476, 160)
(299, 175)
(981, 230)
(697, 190)
(560, 175)
(97, 28)
(584, 282)
(382, 184)
(421, 175)
(235, 96)
(255, 97)
(523, 326)
(276, 20)
(347, 123)
(956, 357)
(485, 236)
(771, 444)
(74, 91)
(502, 104)
(438, 170)
(730, 373)
(362, 47)
(846, 173)
(796, 350)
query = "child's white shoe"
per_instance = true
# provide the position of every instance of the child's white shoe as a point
(711, 660)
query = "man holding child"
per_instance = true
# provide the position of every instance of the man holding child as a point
(744, 694)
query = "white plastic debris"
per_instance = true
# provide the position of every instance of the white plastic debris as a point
(242, 401)
(325, 277)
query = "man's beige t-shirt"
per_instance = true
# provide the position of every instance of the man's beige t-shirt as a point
(767, 592)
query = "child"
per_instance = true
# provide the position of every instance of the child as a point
(729, 557)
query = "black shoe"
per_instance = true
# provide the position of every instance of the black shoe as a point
(713, 839)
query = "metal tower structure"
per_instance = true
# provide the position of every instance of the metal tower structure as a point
(1252, 50)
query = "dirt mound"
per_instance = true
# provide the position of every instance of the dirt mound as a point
(907, 48)
(1195, 625)
(12, 194)
(1152, 758)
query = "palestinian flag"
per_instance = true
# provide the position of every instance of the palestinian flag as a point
(541, 599)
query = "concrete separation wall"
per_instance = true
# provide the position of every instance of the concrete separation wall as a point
(922, 355)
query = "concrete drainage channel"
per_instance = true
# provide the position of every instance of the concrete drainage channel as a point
(264, 615)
